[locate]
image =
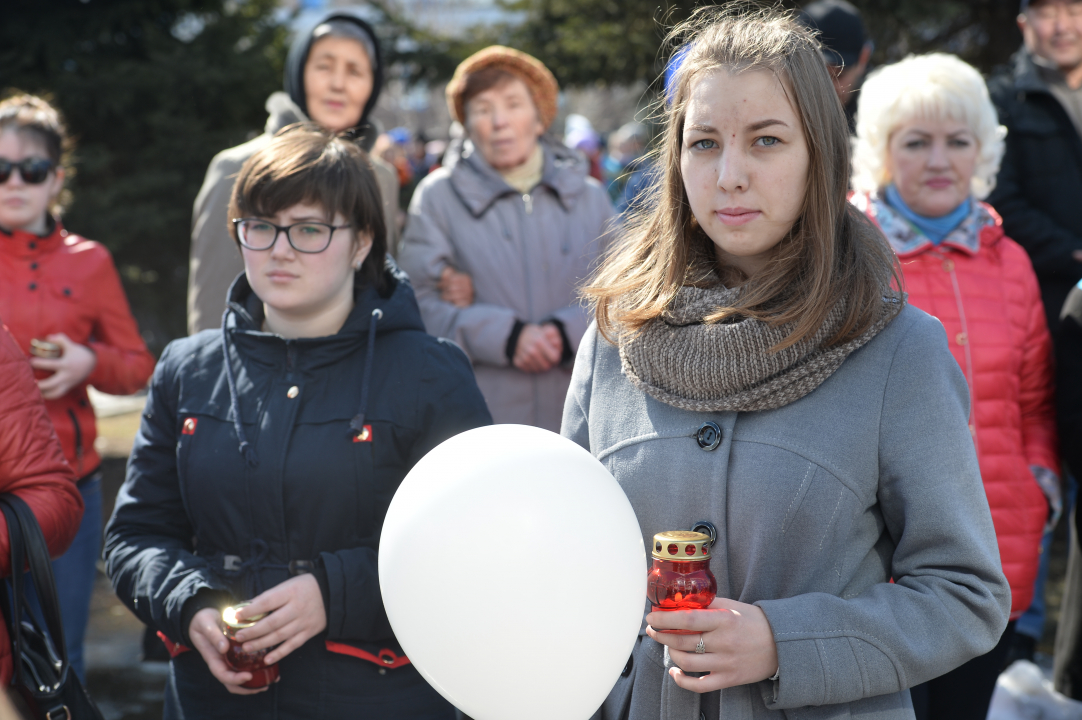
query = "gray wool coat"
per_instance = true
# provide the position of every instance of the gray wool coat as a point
(818, 504)
(527, 255)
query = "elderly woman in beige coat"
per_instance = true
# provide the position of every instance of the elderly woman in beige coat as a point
(498, 244)
(333, 77)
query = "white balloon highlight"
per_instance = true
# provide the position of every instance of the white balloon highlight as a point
(514, 574)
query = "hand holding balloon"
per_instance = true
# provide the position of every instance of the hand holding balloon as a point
(738, 644)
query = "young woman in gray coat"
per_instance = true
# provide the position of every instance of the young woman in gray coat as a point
(753, 365)
(498, 244)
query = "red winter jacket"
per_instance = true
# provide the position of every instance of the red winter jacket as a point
(33, 467)
(981, 286)
(63, 283)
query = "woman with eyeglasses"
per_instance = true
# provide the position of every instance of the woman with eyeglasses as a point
(61, 298)
(271, 449)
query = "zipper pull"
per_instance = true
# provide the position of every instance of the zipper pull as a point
(528, 201)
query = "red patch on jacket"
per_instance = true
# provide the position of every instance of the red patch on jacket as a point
(171, 647)
(364, 435)
(189, 426)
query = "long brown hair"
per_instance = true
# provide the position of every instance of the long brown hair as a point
(831, 252)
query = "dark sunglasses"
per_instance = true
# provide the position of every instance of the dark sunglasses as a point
(33, 171)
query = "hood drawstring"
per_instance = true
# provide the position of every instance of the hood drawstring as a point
(357, 423)
(234, 402)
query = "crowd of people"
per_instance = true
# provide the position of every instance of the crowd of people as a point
(836, 311)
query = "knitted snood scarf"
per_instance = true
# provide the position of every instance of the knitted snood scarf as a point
(686, 363)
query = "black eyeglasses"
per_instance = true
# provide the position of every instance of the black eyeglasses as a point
(33, 171)
(304, 237)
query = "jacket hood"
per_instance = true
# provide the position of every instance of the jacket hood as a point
(302, 45)
(244, 312)
(242, 326)
(282, 111)
(478, 185)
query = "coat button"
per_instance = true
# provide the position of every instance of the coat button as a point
(33, 286)
(709, 436)
(293, 392)
(961, 338)
(948, 265)
(33, 266)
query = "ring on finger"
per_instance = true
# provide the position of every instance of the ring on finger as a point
(700, 648)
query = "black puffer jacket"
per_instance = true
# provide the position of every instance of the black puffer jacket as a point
(1040, 180)
(202, 521)
(1068, 666)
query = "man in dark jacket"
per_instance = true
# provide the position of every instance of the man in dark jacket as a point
(1068, 667)
(846, 48)
(1039, 98)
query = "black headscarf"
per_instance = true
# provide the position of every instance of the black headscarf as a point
(302, 45)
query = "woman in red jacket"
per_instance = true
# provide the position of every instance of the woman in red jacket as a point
(927, 149)
(60, 295)
(31, 466)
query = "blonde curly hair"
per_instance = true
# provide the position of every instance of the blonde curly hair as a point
(936, 86)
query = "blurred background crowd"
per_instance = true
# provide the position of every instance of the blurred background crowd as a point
(152, 91)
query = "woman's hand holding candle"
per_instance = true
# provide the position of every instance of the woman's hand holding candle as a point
(74, 365)
(205, 631)
(738, 641)
(296, 615)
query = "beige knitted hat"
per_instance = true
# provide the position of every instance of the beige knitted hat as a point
(540, 82)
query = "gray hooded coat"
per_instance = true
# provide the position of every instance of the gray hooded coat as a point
(528, 255)
(215, 260)
(818, 505)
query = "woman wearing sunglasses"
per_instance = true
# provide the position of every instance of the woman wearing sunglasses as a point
(61, 297)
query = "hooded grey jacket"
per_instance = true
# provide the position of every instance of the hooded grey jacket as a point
(527, 255)
(214, 257)
(818, 505)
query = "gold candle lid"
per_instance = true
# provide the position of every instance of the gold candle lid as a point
(681, 545)
(229, 617)
(45, 349)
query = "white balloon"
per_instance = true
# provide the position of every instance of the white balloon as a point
(514, 575)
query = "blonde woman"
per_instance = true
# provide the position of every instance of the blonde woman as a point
(752, 365)
(927, 151)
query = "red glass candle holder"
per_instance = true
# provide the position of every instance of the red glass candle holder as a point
(240, 661)
(680, 577)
